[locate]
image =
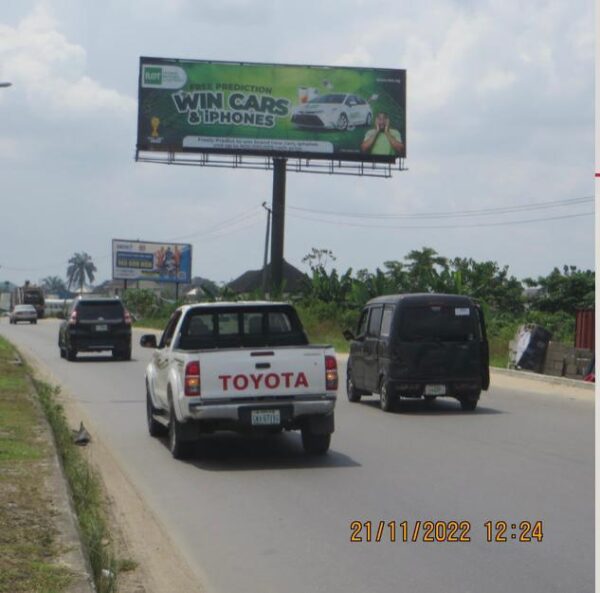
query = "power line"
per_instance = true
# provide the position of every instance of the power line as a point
(221, 229)
(454, 226)
(454, 214)
(229, 221)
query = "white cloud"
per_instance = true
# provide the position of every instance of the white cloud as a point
(496, 80)
(357, 57)
(50, 70)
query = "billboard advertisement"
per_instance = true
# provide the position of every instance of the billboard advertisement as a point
(144, 260)
(325, 112)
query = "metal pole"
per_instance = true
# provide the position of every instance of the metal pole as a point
(264, 276)
(277, 231)
(176, 291)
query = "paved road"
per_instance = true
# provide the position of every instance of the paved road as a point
(258, 516)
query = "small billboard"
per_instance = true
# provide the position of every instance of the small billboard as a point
(149, 260)
(322, 112)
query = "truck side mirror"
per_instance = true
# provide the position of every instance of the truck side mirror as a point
(148, 341)
(348, 335)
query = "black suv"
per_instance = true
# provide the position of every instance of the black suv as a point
(95, 324)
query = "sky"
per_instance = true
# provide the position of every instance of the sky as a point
(500, 114)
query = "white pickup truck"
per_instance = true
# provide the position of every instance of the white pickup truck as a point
(244, 366)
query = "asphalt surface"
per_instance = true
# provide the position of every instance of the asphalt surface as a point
(258, 516)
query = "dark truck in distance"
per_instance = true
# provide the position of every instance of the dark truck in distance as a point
(94, 324)
(243, 366)
(419, 345)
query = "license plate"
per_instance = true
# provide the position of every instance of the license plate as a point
(265, 417)
(435, 389)
(102, 328)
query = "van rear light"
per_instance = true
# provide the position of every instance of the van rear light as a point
(73, 318)
(331, 373)
(192, 378)
(127, 317)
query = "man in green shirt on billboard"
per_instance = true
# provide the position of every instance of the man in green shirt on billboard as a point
(382, 140)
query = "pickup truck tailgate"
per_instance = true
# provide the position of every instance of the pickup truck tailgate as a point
(290, 371)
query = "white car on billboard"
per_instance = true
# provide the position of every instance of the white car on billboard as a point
(337, 111)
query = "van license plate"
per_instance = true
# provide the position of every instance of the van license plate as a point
(435, 389)
(102, 328)
(265, 417)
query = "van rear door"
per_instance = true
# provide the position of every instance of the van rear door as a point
(438, 342)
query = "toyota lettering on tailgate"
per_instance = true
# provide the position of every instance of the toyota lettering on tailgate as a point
(269, 381)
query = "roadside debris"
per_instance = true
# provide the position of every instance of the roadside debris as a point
(81, 437)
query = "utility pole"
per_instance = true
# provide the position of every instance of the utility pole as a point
(264, 271)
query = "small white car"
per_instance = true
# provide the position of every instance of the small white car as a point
(336, 111)
(23, 313)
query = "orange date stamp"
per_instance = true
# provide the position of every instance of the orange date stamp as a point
(444, 531)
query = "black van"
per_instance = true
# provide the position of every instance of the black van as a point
(419, 345)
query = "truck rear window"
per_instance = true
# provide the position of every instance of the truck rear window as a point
(435, 322)
(240, 328)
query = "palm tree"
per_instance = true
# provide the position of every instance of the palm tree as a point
(53, 285)
(422, 269)
(80, 267)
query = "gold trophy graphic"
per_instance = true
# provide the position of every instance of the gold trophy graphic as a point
(154, 123)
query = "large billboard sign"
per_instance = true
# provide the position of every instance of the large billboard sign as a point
(143, 260)
(326, 112)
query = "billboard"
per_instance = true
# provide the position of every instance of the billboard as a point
(144, 260)
(325, 112)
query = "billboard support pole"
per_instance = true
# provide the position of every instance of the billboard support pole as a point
(277, 229)
(176, 291)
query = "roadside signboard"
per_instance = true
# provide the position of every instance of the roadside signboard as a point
(318, 112)
(148, 260)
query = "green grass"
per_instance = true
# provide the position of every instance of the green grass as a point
(28, 542)
(28, 548)
(13, 382)
(326, 332)
(86, 491)
(152, 323)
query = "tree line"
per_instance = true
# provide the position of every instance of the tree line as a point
(424, 270)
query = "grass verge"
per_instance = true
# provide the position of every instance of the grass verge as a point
(87, 494)
(29, 547)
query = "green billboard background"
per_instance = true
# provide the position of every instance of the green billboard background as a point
(266, 109)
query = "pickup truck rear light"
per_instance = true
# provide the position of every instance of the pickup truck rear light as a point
(192, 378)
(127, 317)
(73, 318)
(331, 373)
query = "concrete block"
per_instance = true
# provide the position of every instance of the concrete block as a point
(558, 347)
(571, 369)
